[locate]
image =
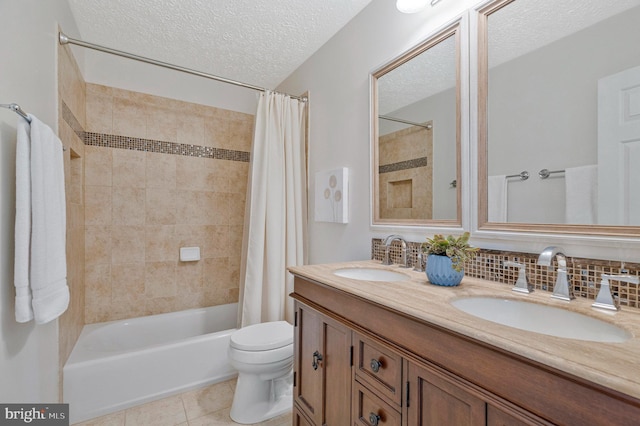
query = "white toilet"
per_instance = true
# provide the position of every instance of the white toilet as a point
(263, 356)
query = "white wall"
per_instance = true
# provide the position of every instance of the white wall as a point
(337, 77)
(28, 37)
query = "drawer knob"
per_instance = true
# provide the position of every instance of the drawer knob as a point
(317, 356)
(375, 365)
(374, 419)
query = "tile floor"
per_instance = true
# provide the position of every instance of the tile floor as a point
(200, 407)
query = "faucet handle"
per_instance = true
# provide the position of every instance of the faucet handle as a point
(605, 299)
(418, 266)
(522, 285)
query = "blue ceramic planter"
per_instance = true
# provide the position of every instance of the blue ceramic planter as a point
(440, 271)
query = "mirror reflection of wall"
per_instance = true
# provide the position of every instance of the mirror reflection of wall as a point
(417, 140)
(553, 82)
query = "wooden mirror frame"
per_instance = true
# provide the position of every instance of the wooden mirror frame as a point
(483, 145)
(451, 30)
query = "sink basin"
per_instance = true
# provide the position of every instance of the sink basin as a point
(371, 274)
(542, 319)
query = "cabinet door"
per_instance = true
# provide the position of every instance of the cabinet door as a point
(299, 418)
(322, 367)
(437, 400)
(336, 368)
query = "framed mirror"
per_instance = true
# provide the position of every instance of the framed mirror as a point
(416, 131)
(559, 116)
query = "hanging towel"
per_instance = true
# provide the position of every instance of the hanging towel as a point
(581, 186)
(497, 198)
(47, 264)
(24, 311)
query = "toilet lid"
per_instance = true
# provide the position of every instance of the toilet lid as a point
(262, 337)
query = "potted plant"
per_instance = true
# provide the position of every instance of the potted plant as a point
(446, 257)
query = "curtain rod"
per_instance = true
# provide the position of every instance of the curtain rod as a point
(64, 39)
(400, 120)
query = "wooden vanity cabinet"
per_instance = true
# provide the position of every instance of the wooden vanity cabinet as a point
(360, 363)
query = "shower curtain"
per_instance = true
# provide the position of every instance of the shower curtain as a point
(275, 216)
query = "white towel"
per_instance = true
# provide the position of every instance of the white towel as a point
(24, 311)
(497, 198)
(47, 262)
(581, 186)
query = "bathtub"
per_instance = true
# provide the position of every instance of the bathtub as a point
(119, 364)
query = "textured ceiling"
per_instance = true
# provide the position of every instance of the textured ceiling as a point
(258, 42)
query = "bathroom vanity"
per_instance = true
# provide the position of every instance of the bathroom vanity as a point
(398, 353)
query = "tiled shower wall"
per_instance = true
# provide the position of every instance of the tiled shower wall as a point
(584, 274)
(161, 174)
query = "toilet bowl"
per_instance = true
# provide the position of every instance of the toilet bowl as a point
(263, 356)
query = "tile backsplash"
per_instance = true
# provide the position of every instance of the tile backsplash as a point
(584, 274)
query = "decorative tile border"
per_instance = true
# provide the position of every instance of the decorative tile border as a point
(403, 165)
(150, 145)
(584, 274)
(72, 121)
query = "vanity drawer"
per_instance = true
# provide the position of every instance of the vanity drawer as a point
(369, 410)
(379, 368)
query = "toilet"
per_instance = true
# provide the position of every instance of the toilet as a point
(263, 356)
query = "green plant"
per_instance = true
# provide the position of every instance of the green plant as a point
(456, 248)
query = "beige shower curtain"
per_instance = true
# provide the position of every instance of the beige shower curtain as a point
(275, 216)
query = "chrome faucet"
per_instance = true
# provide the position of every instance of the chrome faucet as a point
(387, 244)
(561, 290)
(605, 299)
(522, 285)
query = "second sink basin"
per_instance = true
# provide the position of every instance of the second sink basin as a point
(370, 274)
(542, 319)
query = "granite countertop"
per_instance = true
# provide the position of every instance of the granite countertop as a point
(614, 365)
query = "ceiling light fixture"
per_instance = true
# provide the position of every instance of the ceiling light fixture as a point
(414, 6)
(411, 6)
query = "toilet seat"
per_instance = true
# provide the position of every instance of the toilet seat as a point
(260, 357)
(263, 337)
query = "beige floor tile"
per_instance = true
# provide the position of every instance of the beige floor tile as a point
(200, 402)
(219, 418)
(115, 419)
(283, 420)
(222, 418)
(164, 412)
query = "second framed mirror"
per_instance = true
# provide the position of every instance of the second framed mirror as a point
(559, 99)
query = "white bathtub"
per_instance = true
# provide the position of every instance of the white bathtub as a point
(119, 364)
